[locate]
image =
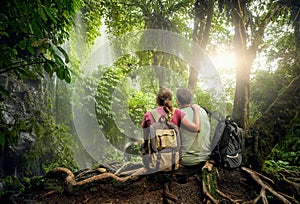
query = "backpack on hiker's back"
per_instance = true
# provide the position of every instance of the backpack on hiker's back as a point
(162, 145)
(228, 142)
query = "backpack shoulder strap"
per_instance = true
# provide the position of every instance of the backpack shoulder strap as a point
(218, 134)
(212, 114)
(155, 114)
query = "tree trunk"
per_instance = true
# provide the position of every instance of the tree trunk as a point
(159, 68)
(245, 56)
(241, 99)
(273, 126)
(156, 20)
(202, 24)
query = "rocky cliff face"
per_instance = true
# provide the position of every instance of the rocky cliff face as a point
(19, 109)
(36, 127)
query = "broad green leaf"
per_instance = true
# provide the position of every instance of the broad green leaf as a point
(58, 59)
(47, 67)
(26, 73)
(4, 33)
(50, 15)
(40, 42)
(60, 72)
(39, 71)
(64, 53)
(30, 49)
(15, 51)
(42, 14)
(36, 29)
(67, 76)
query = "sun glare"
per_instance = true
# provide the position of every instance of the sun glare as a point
(224, 62)
(225, 65)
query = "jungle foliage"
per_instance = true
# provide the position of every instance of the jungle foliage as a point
(40, 37)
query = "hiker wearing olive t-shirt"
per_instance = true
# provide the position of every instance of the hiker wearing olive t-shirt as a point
(195, 146)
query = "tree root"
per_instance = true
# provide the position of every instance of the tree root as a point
(91, 171)
(211, 190)
(208, 183)
(210, 177)
(167, 196)
(227, 197)
(291, 181)
(208, 197)
(123, 172)
(292, 199)
(72, 182)
(256, 176)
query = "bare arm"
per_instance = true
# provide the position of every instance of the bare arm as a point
(195, 125)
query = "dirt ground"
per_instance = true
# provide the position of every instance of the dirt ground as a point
(146, 189)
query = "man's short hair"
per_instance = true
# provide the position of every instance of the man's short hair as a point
(184, 96)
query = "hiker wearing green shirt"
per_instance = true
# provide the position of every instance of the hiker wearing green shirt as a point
(195, 146)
